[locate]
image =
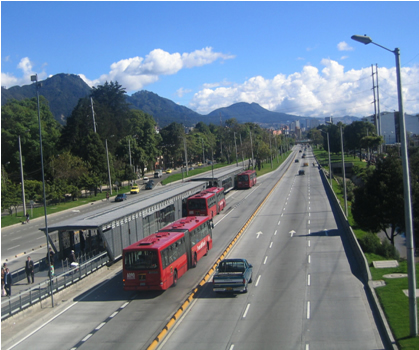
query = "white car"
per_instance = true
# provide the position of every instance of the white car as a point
(145, 179)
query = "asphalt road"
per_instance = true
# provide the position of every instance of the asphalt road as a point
(303, 295)
(284, 309)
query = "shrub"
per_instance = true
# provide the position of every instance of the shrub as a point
(387, 250)
(370, 243)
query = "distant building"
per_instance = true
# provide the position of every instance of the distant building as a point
(390, 126)
(328, 120)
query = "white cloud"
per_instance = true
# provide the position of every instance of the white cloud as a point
(343, 46)
(331, 91)
(181, 92)
(137, 72)
(26, 66)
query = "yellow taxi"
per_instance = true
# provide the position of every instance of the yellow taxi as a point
(168, 171)
(135, 189)
(199, 164)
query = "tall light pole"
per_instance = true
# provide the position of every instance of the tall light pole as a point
(330, 163)
(343, 171)
(406, 191)
(22, 179)
(109, 169)
(35, 79)
(235, 144)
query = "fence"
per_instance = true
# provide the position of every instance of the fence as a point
(43, 290)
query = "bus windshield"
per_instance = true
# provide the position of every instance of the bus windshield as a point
(141, 260)
(243, 177)
(194, 204)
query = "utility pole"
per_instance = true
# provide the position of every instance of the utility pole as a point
(241, 147)
(251, 146)
(186, 154)
(109, 169)
(378, 104)
(235, 144)
(375, 107)
(21, 179)
(93, 114)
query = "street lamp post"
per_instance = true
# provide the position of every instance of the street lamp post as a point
(330, 163)
(343, 172)
(35, 79)
(406, 190)
(22, 179)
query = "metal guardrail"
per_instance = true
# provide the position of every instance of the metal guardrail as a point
(31, 296)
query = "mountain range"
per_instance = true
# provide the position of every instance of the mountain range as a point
(63, 92)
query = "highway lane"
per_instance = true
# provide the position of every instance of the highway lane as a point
(109, 317)
(303, 296)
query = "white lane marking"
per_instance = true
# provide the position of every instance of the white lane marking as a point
(14, 247)
(87, 337)
(257, 282)
(14, 239)
(309, 222)
(100, 326)
(308, 279)
(309, 231)
(245, 311)
(114, 314)
(309, 259)
(41, 237)
(279, 222)
(270, 246)
(52, 319)
(309, 243)
(308, 310)
(309, 214)
(124, 305)
(275, 232)
(258, 234)
(307, 346)
(232, 347)
(266, 258)
(282, 214)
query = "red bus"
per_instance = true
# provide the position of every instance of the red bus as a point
(156, 262)
(209, 202)
(246, 179)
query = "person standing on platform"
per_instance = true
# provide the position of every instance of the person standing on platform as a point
(8, 282)
(29, 269)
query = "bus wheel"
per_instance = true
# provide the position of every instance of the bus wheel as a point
(194, 260)
(174, 279)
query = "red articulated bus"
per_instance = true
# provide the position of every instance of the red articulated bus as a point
(209, 202)
(246, 179)
(157, 262)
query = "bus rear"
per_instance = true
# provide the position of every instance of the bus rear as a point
(155, 262)
(246, 179)
(202, 204)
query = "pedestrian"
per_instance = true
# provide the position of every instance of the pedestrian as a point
(27, 218)
(107, 196)
(50, 257)
(3, 271)
(72, 259)
(29, 269)
(8, 282)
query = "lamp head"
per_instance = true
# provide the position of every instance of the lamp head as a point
(34, 77)
(362, 39)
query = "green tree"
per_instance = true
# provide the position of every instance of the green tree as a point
(379, 204)
(21, 118)
(354, 135)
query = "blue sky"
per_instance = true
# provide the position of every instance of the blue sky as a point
(291, 57)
